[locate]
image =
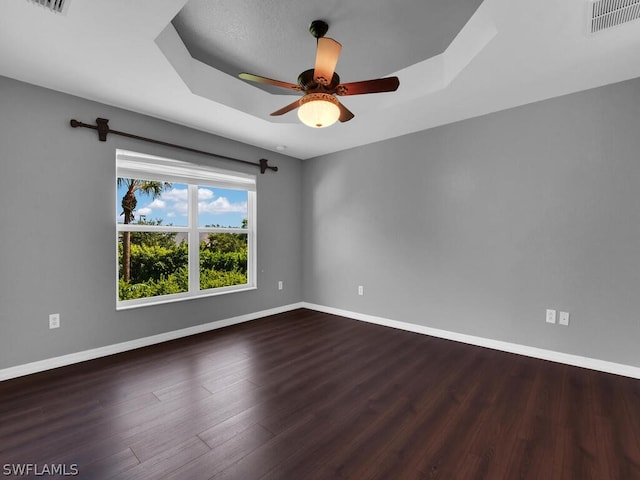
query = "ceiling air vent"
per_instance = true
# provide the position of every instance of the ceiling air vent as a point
(609, 13)
(53, 5)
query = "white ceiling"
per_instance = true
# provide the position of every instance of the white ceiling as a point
(129, 54)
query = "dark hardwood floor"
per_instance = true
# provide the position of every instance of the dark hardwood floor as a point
(305, 395)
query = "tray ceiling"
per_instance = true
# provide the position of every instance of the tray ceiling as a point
(178, 60)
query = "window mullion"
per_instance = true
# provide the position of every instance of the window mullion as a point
(252, 241)
(135, 227)
(194, 241)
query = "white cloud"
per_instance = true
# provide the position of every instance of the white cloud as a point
(142, 211)
(174, 195)
(222, 205)
(174, 199)
(205, 194)
(181, 207)
(157, 203)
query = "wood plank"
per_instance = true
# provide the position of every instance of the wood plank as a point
(166, 462)
(223, 455)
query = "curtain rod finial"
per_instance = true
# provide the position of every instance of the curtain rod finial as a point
(264, 164)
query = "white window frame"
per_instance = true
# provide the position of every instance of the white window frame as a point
(148, 167)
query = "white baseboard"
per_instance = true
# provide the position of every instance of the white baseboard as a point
(559, 357)
(50, 363)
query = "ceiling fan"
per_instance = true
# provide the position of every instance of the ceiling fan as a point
(319, 106)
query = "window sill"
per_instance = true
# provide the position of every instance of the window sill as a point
(181, 297)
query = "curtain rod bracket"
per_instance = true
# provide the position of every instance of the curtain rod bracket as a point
(102, 126)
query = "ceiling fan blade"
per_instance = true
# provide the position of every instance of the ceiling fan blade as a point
(388, 84)
(268, 81)
(286, 109)
(345, 113)
(327, 56)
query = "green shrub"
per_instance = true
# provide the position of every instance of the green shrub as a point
(216, 279)
(166, 285)
(152, 262)
(227, 262)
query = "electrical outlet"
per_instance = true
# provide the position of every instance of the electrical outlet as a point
(280, 285)
(360, 290)
(564, 319)
(54, 320)
(551, 316)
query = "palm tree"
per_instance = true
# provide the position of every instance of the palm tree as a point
(129, 203)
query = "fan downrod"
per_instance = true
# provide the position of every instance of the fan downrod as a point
(318, 28)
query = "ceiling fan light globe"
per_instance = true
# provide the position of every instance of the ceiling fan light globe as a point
(318, 110)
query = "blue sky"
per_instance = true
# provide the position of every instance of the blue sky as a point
(216, 206)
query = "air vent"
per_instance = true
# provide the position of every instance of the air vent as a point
(609, 13)
(53, 5)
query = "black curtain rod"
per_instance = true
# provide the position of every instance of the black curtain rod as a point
(102, 126)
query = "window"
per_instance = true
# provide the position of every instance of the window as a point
(183, 230)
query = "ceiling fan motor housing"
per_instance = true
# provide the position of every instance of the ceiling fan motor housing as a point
(308, 83)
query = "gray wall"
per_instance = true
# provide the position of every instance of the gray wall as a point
(477, 227)
(57, 250)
